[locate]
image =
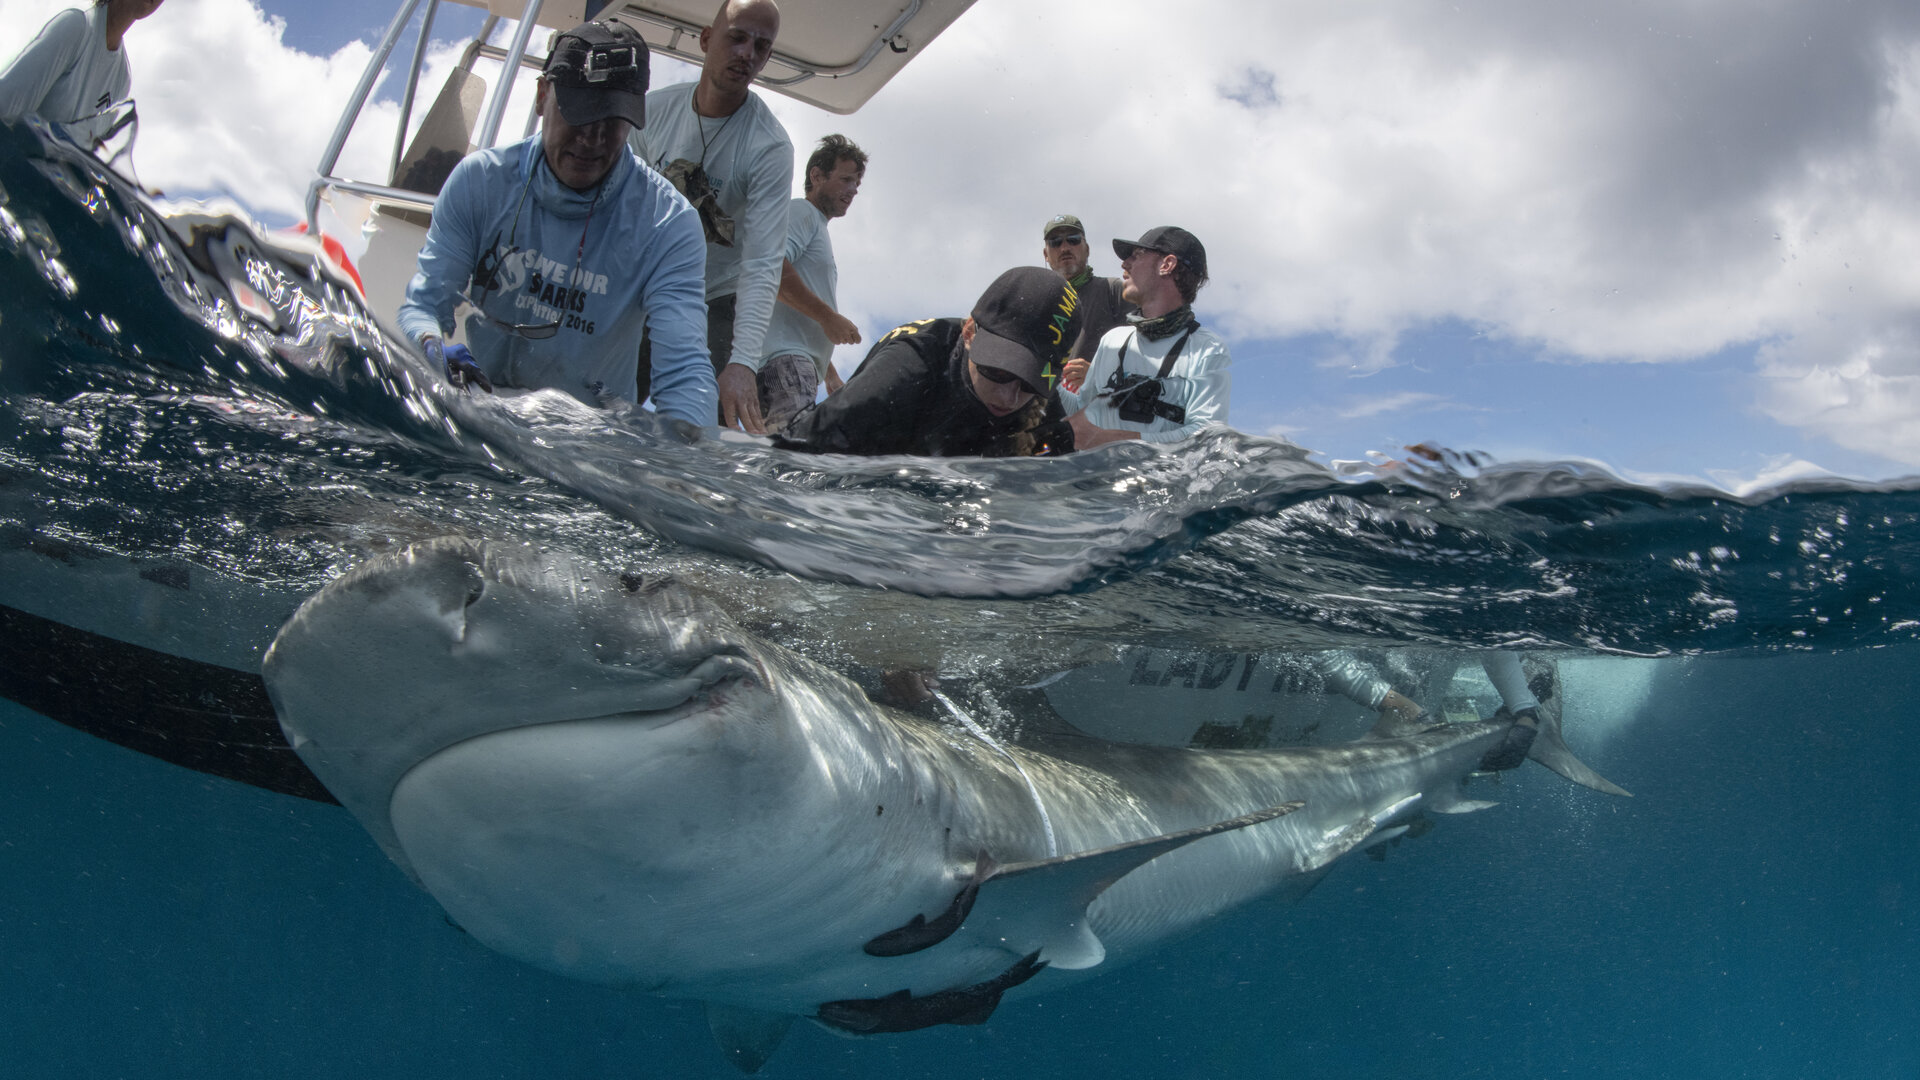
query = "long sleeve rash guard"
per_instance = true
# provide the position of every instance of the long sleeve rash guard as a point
(1200, 382)
(68, 77)
(532, 252)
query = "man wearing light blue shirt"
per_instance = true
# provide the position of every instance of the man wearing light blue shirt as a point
(1162, 376)
(568, 248)
(806, 323)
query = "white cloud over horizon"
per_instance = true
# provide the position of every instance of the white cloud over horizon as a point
(1639, 181)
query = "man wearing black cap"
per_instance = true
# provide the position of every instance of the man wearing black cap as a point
(975, 387)
(1164, 376)
(1101, 305)
(569, 248)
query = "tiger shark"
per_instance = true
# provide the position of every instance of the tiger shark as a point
(609, 779)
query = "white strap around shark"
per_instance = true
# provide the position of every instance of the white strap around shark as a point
(1053, 847)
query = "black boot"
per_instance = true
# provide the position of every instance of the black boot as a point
(1511, 752)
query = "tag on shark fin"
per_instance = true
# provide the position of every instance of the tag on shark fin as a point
(1043, 904)
(1338, 844)
(747, 1037)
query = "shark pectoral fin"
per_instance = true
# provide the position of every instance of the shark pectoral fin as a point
(1385, 835)
(747, 1037)
(1075, 950)
(1550, 749)
(1043, 904)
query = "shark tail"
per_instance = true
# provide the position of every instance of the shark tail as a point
(1550, 749)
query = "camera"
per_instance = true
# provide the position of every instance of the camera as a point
(1137, 398)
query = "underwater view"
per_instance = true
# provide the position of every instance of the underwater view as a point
(201, 427)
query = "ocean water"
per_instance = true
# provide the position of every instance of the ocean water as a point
(198, 428)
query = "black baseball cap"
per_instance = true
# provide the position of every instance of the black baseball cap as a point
(1170, 240)
(1025, 324)
(598, 70)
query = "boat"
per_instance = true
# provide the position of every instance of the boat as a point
(832, 56)
(171, 646)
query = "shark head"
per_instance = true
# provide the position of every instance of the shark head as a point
(411, 655)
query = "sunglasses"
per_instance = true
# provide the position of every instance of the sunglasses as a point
(530, 331)
(486, 274)
(1064, 239)
(997, 375)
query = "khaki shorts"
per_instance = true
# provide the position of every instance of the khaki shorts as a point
(788, 383)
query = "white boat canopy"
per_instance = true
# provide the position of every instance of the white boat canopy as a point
(833, 54)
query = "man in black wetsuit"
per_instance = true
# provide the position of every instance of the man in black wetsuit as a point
(976, 387)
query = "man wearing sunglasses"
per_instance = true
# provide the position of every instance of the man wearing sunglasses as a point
(1101, 305)
(567, 247)
(1163, 376)
(974, 387)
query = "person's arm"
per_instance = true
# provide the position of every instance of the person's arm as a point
(795, 294)
(25, 83)
(1354, 679)
(874, 413)
(675, 299)
(446, 260)
(444, 267)
(1086, 436)
(762, 234)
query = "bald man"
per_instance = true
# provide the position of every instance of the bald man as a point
(721, 146)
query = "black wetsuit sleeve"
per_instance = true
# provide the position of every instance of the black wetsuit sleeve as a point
(878, 411)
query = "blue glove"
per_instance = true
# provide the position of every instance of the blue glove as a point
(462, 372)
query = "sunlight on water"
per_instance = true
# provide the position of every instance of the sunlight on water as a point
(1606, 698)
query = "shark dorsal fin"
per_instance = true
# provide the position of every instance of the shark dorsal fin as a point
(747, 1037)
(1043, 904)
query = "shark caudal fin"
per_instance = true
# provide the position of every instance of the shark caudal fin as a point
(1550, 746)
(1550, 749)
(747, 1037)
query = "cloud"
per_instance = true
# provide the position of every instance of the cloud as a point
(1403, 402)
(226, 107)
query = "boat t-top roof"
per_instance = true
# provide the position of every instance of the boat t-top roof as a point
(833, 54)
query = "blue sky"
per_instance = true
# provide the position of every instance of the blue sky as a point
(1676, 239)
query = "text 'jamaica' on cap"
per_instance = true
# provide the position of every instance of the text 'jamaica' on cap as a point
(1025, 324)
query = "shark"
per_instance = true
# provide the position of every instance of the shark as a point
(606, 777)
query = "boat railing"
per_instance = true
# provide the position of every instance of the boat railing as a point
(668, 35)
